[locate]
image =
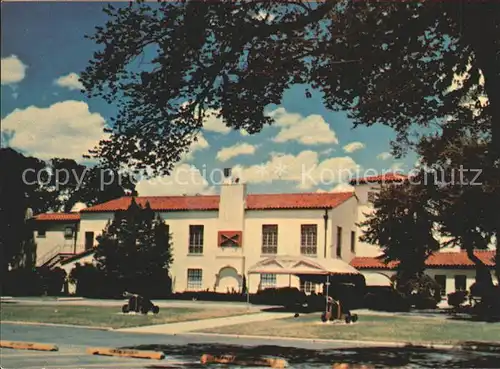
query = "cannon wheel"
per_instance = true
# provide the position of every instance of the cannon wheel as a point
(144, 310)
(323, 318)
(355, 318)
(155, 309)
(348, 319)
(125, 309)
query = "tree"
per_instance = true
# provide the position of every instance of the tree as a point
(134, 252)
(42, 186)
(466, 184)
(16, 196)
(403, 225)
(386, 63)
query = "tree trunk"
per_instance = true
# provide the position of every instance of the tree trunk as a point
(483, 274)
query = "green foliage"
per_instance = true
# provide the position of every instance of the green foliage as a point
(422, 291)
(457, 298)
(55, 185)
(34, 282)
(402, 224)
(385, 63)
(134, 252)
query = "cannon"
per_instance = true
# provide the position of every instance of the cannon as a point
(139, 304)
(334, 311)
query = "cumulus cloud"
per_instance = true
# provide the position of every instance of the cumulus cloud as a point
(227, 153)
(212, 123)
(310, 130)
(306, 170)
(70, 81)
(354, 146)
(384, 156)
(65, 129)
(341, 187)
(185, 179)
(200, 144)
(13, 70)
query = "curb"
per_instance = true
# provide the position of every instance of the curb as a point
(57, 325)
(275, 363)
(320, 340)
(138, 354)
(19, 345)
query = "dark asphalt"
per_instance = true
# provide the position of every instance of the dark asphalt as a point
(184, 351)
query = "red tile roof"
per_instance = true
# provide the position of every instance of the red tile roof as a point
(384, 178)
(253, 202)
(58, 217)
(437, 260)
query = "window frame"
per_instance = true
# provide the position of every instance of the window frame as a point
(269, 244)
(197, 283)
(309, 239)
(195, 244)
(268, 280)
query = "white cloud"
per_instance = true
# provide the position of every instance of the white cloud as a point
(310, 130)
(304, 169)
(384, 156)
(227, 153)
(200, 144)
(185, 179)
(354, 146)
(343, 187)
(12, 70)
(65, 129)
(214, 124)
(70, 81)
(397, 167)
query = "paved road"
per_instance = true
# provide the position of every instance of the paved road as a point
(184, 351)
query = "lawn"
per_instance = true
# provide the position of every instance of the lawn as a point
(372, 328)
(98, 316)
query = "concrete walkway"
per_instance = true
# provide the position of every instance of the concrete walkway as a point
(182, 327)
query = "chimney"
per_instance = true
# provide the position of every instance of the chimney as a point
(231, 203)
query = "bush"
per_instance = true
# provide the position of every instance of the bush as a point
(457, 298)
(286, 296)
(34, 282)
(386, 299)
(422, 291)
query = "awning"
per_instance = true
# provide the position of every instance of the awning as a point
(377, 279)
(301, 265)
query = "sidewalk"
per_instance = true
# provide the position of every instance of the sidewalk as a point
(182, 327)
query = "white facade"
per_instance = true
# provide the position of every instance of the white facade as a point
(208, 266)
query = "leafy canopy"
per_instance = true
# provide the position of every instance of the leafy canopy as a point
(168, 65)
(134, 251)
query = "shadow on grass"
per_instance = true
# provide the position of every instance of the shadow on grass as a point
(483, 356)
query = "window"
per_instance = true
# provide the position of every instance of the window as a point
(41, 232)
(353, 242)
(194, 279)
(270, 239)
(460, 283)
(89, 240)
(309, 239)
(68, 232)
(196, 239)
(308, 287)
(441, 280)
(371, 196)
(267, 281)
(339, 242)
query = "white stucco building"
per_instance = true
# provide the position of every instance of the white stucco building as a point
(219, 239)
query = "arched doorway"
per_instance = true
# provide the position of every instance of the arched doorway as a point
(228, 280)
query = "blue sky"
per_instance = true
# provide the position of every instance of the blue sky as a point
(44, 114)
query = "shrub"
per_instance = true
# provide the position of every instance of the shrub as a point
(387, 299)
(457, 298)
(422, 291)
(34, 282)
